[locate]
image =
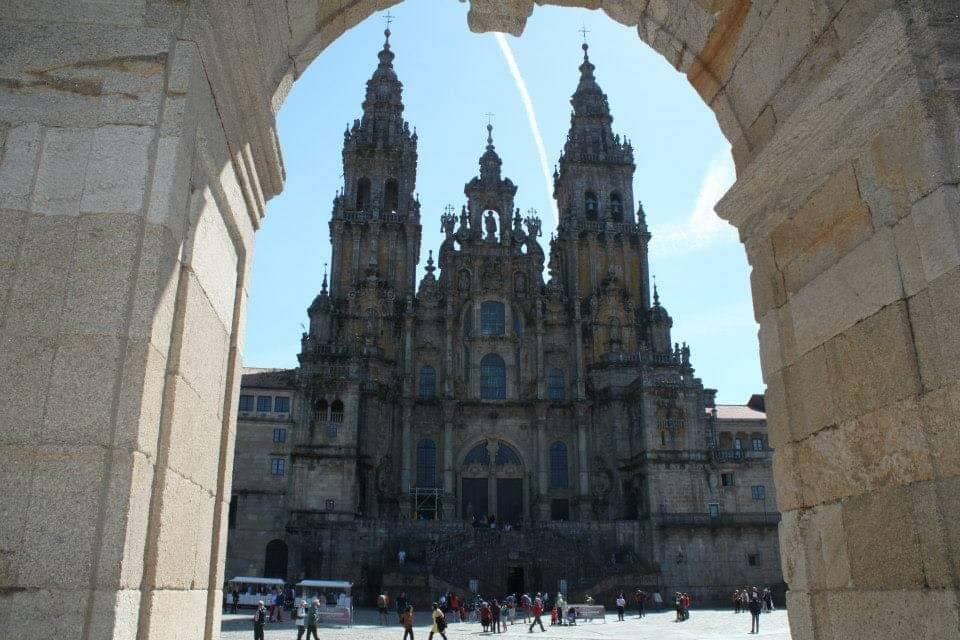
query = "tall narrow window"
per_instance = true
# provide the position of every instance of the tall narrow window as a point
(391, 195)
(492, 318)
(559, 475)
(363, 194)
(616, 207)
(428, 382)
(336, 418)
(264, 403)
(756, 442)
(468, 321)
(590, 205)
(277, 466)
(556, 385)
(427, 463)
(493, 378)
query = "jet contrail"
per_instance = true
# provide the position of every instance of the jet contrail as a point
(531, 117)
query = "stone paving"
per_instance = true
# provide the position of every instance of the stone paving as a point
(709, 624)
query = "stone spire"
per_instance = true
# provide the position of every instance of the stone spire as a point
(490, 162)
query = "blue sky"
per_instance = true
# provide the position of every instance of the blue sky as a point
(452, 78)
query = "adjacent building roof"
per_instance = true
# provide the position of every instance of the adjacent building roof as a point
(268, 378)
(738, 412)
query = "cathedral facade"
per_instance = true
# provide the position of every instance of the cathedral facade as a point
(488, 410)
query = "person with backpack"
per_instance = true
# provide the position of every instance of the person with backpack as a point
(259, 619)
(621, 605)
(439, 623)
(407, 621)
(537, 612)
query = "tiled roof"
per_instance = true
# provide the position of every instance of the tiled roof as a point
(738, 412)
(268, 378)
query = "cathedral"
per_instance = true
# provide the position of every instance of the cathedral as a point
(519, 406)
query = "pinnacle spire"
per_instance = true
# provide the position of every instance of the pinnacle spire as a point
(323, 287)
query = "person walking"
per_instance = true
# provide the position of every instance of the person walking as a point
(621, 605)
(278, 606)
(259, 619)
(401, 605)
(537, 612)
(313, 618)
(383, 603)
(407, 621)
(639, 598)
(439, 622)
(300, 617)
(234, 600)
(755, 609)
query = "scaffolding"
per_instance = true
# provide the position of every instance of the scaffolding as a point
(427, 503)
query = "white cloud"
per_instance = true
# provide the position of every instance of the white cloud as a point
(702, 227)
(531, 118)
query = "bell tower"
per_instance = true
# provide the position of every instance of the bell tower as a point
(600, 233)
(375, 227)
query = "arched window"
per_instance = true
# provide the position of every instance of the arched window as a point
(428, 382)
(478, 455)
(363, 194)
(506, 454)
(616, 207)
(321, 412)
(427, 463)
(275, 560)
(336, 418)
(558, 466)
(556, 385)
(391, 195)
(590, 205)
(493, 378)
(492, 316)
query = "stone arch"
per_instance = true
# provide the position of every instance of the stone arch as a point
(275, 559)
(852, 165)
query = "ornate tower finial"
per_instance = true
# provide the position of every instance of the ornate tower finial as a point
(656, 296)
(323, 287)
(430, 268)
(489, 137)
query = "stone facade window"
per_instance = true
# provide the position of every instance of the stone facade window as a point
(493, 378)
(726, 479)
(264, 403)
(758, 492)
(590, 205)
(246, 403)
(281, 404)
(616, 207)
(363, 194)
(492, 318)
(280, 435)
(556, 385)
(278, 466)
(428, 382)
(427, 463)
(756, 442)
(391, 195)
(559, 473)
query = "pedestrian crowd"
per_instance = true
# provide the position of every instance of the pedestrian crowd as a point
(754, 601)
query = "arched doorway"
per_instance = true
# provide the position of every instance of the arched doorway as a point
(275, 560)
(493, 482)
(844, 136)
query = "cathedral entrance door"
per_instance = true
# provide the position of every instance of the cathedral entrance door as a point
(474, 498)
(515, 581)
(509, 500)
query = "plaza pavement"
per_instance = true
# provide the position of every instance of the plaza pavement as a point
(708, 624)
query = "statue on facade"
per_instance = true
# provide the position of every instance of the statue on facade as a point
(490, 224)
